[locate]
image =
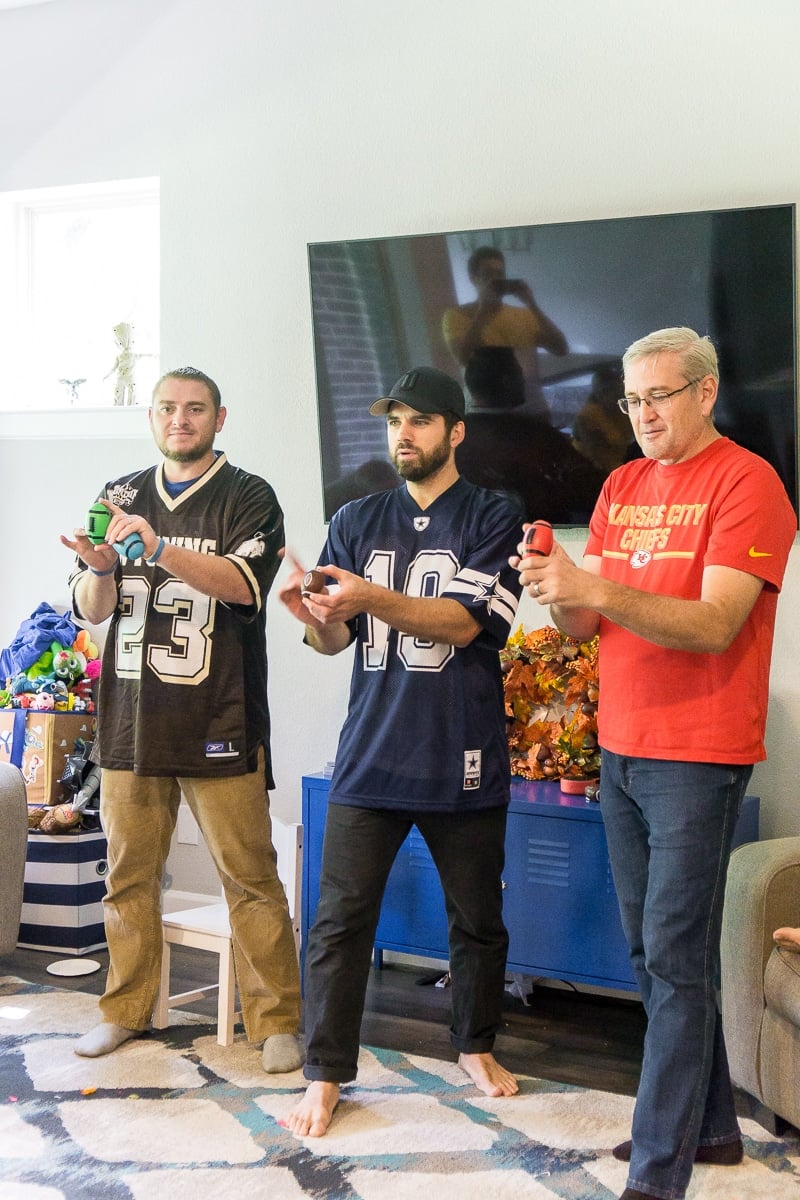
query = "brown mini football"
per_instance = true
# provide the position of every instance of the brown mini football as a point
(313, 581)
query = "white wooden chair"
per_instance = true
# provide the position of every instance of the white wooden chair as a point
(207, 927)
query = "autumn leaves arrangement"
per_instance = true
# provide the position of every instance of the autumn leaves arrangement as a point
(551, 690)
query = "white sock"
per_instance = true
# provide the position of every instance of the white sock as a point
(103, 1039)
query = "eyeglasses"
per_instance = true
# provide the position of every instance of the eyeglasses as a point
(632, 404)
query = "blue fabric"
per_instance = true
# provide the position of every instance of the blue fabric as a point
(669, 827)
(34, 636)
(18, 737)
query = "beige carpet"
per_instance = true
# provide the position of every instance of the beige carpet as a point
(174, 1116)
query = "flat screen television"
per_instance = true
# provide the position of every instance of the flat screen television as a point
(543, 374)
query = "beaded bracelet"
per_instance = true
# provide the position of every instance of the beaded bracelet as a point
(154, 557)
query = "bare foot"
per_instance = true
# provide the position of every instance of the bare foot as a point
(788, 938)
(312, 1115)
(488, 1076)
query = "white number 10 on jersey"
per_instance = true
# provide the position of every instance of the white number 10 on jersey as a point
(428, 575)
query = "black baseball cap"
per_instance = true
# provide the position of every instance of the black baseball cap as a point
(426, 390)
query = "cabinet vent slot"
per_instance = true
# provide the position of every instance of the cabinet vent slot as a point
(419, 855)
(548, 862)
(610, 889)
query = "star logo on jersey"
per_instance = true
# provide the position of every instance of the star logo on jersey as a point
(486, 591)
(123, 495)
(421, 523)
(753, 553)
(477, 587)
(640, 559)
(472, 769)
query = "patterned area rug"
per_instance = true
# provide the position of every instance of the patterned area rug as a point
(174, 1115)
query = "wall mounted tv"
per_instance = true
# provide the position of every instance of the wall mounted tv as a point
(543, 374)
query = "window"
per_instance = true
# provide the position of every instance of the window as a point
(79, 299)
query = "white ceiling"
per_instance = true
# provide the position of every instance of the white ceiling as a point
(20, 3)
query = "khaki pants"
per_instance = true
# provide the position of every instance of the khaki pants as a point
(138, 814)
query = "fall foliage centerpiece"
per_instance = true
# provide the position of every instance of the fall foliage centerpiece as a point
(551, 691)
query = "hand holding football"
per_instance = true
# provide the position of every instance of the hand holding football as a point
(313, 581)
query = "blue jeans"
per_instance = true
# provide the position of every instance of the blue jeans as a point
(360, 846)
(669, 827)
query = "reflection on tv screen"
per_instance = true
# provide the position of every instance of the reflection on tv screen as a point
(533, 321)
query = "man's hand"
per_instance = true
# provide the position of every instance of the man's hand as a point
(348, 598)
(123, 524)
(553, 578)
(100, 558)
(289, 592)
(325, 633)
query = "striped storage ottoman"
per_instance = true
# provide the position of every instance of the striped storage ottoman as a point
(62, 899)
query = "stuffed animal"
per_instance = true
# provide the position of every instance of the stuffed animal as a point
(59, 680)
(69, 665)
(43, 667)
(53, 687)
(19, 684)
(84, 645)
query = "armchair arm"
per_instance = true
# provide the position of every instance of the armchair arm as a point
(14, 825)
(762, 893)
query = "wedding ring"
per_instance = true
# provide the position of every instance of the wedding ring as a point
(536, 589)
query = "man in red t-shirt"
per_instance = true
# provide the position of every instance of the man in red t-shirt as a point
(686, 553)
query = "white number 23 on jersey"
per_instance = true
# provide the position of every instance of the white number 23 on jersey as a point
(187, 656)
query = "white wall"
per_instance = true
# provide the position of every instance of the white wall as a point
(273, 123)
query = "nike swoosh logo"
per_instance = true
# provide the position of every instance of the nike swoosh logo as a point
(758, 553)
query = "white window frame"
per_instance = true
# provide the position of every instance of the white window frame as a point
(17, 211)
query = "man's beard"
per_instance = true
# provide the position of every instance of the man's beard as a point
(190, 454)
(184, 456)
(424, 465)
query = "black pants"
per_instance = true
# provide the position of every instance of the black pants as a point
(360, 846)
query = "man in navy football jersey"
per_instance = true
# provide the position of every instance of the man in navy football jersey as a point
(183, 710)
(423, 587)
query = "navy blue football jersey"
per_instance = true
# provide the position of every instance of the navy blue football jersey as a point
(426, 726)
(183, 688)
